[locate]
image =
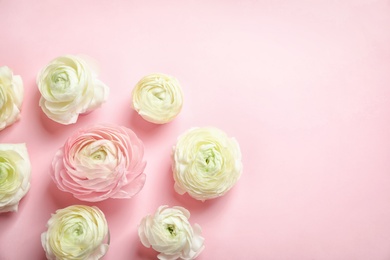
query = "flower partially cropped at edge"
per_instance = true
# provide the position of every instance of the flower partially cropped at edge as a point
(69, 87)
(76, 232)
(206, 163)
(15, 174)
(169, 232)
(100, 162)
(157, 98)
(11, 97)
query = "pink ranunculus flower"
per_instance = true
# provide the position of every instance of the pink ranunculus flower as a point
(100, 162)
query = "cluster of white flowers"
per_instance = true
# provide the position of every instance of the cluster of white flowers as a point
(106, 161)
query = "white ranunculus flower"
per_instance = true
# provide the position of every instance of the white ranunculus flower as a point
(76, 232)
(169, 232)
(69, 87)
(11, 97)
(158, 98)
(15, 174)
(206, 163)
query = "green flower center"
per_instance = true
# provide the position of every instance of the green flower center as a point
(61, 81)
(171, 229)
(99, 155)
(6, 172)
(209, 159)
(159, 93)
(75, 232)
(78, 231)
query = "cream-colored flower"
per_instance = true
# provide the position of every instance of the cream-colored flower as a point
(76, 232)
(15, 173)
(158, 98)
(206, 163)
(69, 87)
(11, 97)
(169, 232)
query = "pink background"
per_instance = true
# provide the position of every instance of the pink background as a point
(304, 87)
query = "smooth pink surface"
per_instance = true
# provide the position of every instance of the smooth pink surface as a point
(304, 87)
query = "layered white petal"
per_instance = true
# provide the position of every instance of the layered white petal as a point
(76, 232)
(206, 163)
(69, 87)
(158, 98)
(11, 97)
(169, 232)
(15, 174)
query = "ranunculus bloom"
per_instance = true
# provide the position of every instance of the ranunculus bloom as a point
(206, 163)
(76, 233)
(11, 97)
(169, 232)
(69, 87)
(100, 162)
(158, 98)
(15, 173)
